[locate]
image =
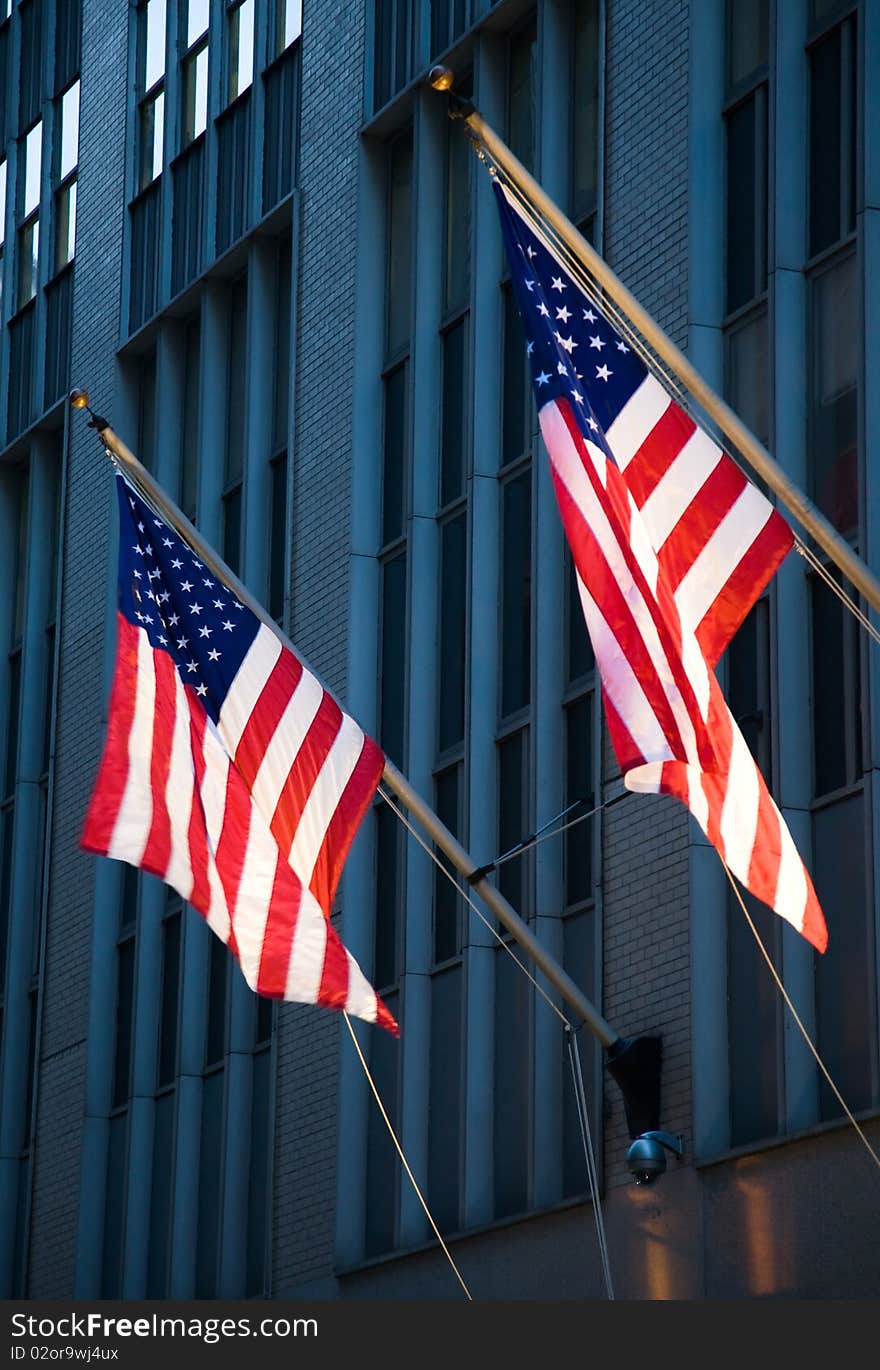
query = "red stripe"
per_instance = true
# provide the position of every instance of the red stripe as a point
(232, 846)
(709, 507)
(266, 715)
(284, 909)
(333, 991)
(657, 453)
(157, 852)
(197, 837)
(345, 822)
(302, 774)
(112, 776)
(745, 583)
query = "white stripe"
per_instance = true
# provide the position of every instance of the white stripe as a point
(361, 999)
(179, 791)
(131, 830)
(639, 416)
(739, 812)
(679, 485)
(254, 896)
(285, 743)
(720, 556)
(248, 685)
(791, 885)
(697, 801)
(622, 685)
(567, 464)
(306, 966)
(324, 798)
(213, 797)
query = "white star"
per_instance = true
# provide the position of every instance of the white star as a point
(166, 542)
(564, 314)
(174, 619)
(577, 397)
(186, 586)
(151, 596)
(530, 347)
(602, 373)
(542, 309)
(140, 527)
(589, 316)
(543, 379)
(227, 626)
(593, 424)
(154, 575)
(209, 583)
(192, 666)
(218, 603)
(530, 286)
(562, 368)
(205, 631)
(139, 617)
(568, 343)
(159, 523)
(163, 640)
(164, 597)
(148, 618)
(149, 550)
(139, 549)
(195, 608)
(597, 342)
(236, 604)
(182, 642)
(557, 283)
(530, 252)
(621, 346)
(201, 690)
(198, 565)
(131, 502)
(138, 574)
(214, 655)
(176, 564)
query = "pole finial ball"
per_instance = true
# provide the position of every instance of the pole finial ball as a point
(79, 399)
(441, 78)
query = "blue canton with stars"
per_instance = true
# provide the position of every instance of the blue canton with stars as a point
(168, 591)
(574, 353)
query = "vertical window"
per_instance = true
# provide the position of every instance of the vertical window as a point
(163, 1131)
(287, 27)
(195, 71)
(151, 91)
(189, 463)
(241, 48)
(67, 155)
(522, 94)
(281, 417)
(2, 229)
(235, 424)
(833, 118)
(31, 161)
(585, 115)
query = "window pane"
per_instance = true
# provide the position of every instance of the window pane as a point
(282, 346)
(580, 649)
(152, 135)
(585, 107)
(578, 959)
(258, 1179)
(752, 1021)
(399, 244)
(383, 1165)
(190, 454)
(444, 1101)
(278, 537)
(160, 1198)
(196, 96)
(241, 48)
(579, 786)
(124, 1010)
(28, 262)
(388, 876)
(446, 896)
(748, 365)
(516, 564)
(837, 755)
(742, 204)
(515, 383)
(2, 202)
(65, 225)
(154, 63)
(453, 435)
(12, 724)
(394, 454)
(826, 150)
(210, 1158)
(288, 23)
(393, 708)
(748, 29)
(235, 415)
(844, 984)
(114, 1208)
(513, 821)
(215, 1040)
(197, 15)
(458, 217)
(33, 160)
(170, 988)
(512, 1092)
(453, 618)
(522, 95)
(232, 530)
(69, 130)
(836, 342)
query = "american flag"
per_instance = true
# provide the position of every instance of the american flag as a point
(672, 545)
(229, 772)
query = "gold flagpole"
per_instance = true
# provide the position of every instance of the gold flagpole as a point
(742, 438)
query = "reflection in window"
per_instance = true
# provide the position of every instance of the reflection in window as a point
(241, 48)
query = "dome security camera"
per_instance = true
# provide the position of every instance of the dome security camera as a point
(646, 1157)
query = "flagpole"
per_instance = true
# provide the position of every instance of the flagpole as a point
(729, 423)
(396, 781)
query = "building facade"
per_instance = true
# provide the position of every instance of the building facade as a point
(252, 233)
